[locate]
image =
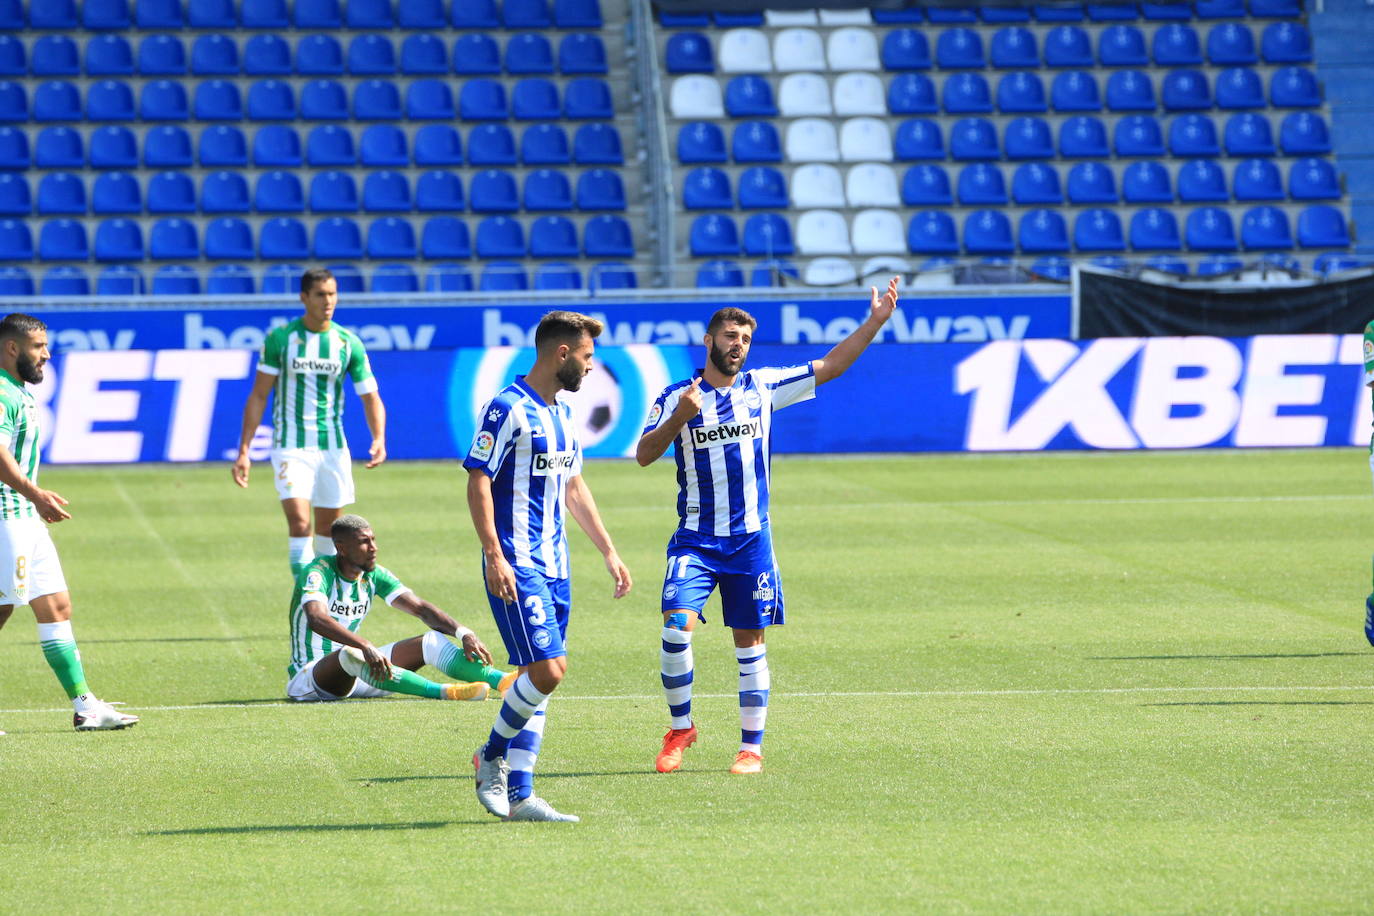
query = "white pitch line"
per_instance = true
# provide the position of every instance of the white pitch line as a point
(975, 503)
(1013, 692)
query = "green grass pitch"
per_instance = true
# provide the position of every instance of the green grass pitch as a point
(1071, 683)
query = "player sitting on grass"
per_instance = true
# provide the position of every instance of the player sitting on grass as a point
(332, 597)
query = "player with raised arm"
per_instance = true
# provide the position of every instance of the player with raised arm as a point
(721, 421)
(303, 365)
(30, 572)
(332, 597)
(524, 467)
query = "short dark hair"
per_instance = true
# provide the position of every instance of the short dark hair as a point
(565, 327)
(347, 526)
(314, 277)
(731, 315)
(18, 325)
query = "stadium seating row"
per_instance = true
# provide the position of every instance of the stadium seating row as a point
(981, 184)
(268, 54)
(1011, 47)
(283, 238)
(1041, 230)
(326, 146)
(1066, 12)
(870, 140)
(810, 94)
(303, 14)
(533, 98)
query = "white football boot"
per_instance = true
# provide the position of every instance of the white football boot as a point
(491, 782)
(101, 716)
(535, 808)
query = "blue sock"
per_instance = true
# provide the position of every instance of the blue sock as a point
(754, 681)
(520, 703)
(675, 668)
(521, 755)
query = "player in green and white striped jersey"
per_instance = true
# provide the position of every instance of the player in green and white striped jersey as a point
(30, 572)
(1369, 382)
(303, 365)
(330, 661)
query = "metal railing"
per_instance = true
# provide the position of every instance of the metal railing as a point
(647, 82)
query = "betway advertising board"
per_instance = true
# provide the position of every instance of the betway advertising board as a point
(1000, 395)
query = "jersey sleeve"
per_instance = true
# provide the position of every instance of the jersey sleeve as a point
(313, 586)
(9, 416)
(790, 385)
(360, 367)
(493, 439)
(663, 406)
(387, 586)
(1369, 353)
(576, 441)
(270, 357)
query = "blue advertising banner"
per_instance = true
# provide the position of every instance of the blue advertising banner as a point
(1006, 395)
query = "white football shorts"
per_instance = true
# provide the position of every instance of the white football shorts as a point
(302, 688)
(29, 567)
(322, 476)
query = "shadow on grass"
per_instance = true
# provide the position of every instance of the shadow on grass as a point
(150, 639)
(1265, 703)
(1142, 658)
(310, 828)
(255, 701)
(467, 777)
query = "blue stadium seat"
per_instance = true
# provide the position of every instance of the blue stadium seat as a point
(439, 190)
(688, 52)
(905, 49)
(431, 14)
(1072, 12)
(224, 192)
(1146, 182)
(371, 55)
(1294, 87)
(996, 14)
(330, 145)
(981, 185)
(278, 192)
(118, 239)
(1091, 183)
(714, 234)
(55, 148)
(120, 280)
(946, 15)
(14, 105)
(481, 100)
(606, 236)
(423, 54)
(1304, 133)
(282, 239)
(384, 146)
(214, 55)
(271, 100)
(267, 55)
(597, 144)
(445, 237)
(583, 14)
(1201, 180)
(719, 274)
(1166, 11)
(1276, 9)
(529, 53)
(1098, 229)
(171, 192)
(1130, 90)
(898, 16)
(966, 93)
(386, 191)
(1322, 226)
(163, 100)
(534, 99)
(918, 138)
(1138, 135)
(58, 15)
(1122, 46)
(54, 55)
(1327, 263)
(376, 100)
(15, 281)
(553, 237)
(230, 238)
(337, 237)
(395, 278)
(349, 278)
(369, 14)
(323, 100)
(911, 93)
(230, 280)
(1014, 47)
(973, 138)
(1075, 90)
(1083, 137)
(600, 189)
(1042, 231)
(105, 14)
(1239, 87)
(333, 191)
(1265, 228)
(476, 55)
(16, 242)
(1154, 229)
(113, 147)
(500, 237)
(988, 232)
(1286, 43)
(750, 96)
(438, 144)
(15, 199)
(212, 14)
(1036, 183)
(276, 146)
(581, 52)
(702, 141)
(174, 239)
(319, 55)
(557, 276)
(493, 191)
(525, 14)
(1220, 9)
(61, 192)
(1257, 179)
(1313, 179)
(1068, 46)
(264, 14)
(161, 55)
(1193, 135)
(503, 276)
(448, 278)
(959, 48)
(65, 281)
(926, 186)
(57, 100)
(217, 100)
(491, 144)
(1176, 45)
(547, 189)
(282, 279)
(116, 192)
(1186, 90)
(587, 98)
(1231, 44)
(1249, 134)
(762, 188)
(1028, 138)
(1169, 264)
(613, 275)
(1051, 267)
(1021, 92)
(767, 235)
(391, 237)
(317, 14)
(1209, 229)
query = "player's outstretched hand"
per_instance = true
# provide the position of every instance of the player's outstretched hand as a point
(476, 650)
(620, 573)
(377, 454)
(883, 308)
(377, 663)
(49, 506)
(240, 470)
(501, 579)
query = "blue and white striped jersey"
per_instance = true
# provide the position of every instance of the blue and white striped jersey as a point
(723, 452)
(529, 449)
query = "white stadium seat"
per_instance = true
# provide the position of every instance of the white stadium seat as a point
(817, 186)
(696, 97)
(872, 185)
(865, 140)
(846, 17)
(778, 19)
(879, 232)
(853, 49)
(859, 94)
(877, 271)
(830, 272)
(798, 49)
(803, 94)
(812, 140)
(744, 51)
(822, 232)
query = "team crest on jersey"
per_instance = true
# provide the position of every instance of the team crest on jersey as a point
(541, 639)
(752, 398)
(657, 411)
(1368, 349)
(482, 445)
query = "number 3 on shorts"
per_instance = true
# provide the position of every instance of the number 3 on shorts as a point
(535, 605)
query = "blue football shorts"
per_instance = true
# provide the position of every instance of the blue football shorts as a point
(535, 626)
(742, 566)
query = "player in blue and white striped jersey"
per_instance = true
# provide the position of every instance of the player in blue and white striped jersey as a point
(721, 422)
(524, 468)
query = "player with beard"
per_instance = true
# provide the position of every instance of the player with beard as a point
(30, 572)
(524, 467)
(721, 420)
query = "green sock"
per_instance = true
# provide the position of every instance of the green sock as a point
(59, 649)
(451, 660)
(403, 681)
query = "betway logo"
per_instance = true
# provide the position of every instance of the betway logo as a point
(312, 366)
(723, 433)
(553, 461)
(920, 329)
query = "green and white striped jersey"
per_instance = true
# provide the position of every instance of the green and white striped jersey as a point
(1369, 362)
(347, 601)
(310, 368)
(19, 433)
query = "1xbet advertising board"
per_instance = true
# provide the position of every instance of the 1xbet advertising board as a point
(1112, 393)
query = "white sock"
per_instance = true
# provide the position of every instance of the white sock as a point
(754, 682)
(298, 552)
(324, 545)
(675, 671)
